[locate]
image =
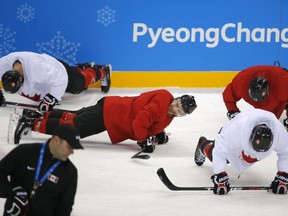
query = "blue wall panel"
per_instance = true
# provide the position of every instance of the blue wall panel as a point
(119, 32)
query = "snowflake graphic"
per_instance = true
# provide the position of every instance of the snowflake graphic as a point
(7, 40)
(106, 16)
(60, 48)
(25, 13)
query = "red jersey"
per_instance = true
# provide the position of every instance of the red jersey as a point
(277, 78)
(137, 117)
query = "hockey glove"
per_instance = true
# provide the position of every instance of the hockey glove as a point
(2, 99)
(280, 183)
(47, 104)
(18, 204)
(231, 114)
(147, 147)
(161, 138)
(285, 123)
(221, 183)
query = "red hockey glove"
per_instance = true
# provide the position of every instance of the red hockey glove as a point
(221, 183)
(280, 183)
(47, 104)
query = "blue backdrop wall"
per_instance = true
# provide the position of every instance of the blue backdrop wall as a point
(151, 35)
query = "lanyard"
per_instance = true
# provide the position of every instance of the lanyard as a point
(38, 182)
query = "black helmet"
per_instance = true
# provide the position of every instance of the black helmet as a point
(259, 89)
(188, 103)
(261, 138)
(12, 81)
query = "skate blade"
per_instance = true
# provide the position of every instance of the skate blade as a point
(12, 127)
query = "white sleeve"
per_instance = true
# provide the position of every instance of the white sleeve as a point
(221, 149)
(5, 65)
(281, 148)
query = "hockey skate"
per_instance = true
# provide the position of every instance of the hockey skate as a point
(21, 123)
(14, 118)
(199, 157)
(86, 65)
(28, 113)
(105, 82)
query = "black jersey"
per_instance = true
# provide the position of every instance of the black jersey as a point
(56, 196)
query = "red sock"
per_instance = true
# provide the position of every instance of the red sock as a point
(89, 76)
(208, 151)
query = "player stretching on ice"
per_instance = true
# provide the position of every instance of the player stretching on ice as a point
(135, 118)
(41, 77)
(263, 87)
(250, 137)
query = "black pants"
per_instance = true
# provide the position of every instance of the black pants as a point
(89, 120)
(76, 81)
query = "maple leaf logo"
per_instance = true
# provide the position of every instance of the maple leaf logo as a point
(248, 158)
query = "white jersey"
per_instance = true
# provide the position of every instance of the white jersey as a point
(232, 143)
(42, 74)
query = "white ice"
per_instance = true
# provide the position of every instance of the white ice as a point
(112, 184)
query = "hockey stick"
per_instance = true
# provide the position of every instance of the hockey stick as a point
(163, 177)
(137, 155)
(20, 104)
(36, 106)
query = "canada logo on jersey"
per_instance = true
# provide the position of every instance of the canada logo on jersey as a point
(36, 97)
(53, 178)
(248, 158)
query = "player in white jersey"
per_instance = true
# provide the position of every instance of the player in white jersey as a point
(43, 78)
(250, 137)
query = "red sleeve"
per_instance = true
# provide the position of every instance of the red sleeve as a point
(152, 113)
(229, 98)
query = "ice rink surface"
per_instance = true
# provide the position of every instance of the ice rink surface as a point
(110, 183)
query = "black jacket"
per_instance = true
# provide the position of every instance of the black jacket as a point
(55, 197)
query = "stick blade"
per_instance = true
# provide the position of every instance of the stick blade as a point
(146, 157)
(163, 177)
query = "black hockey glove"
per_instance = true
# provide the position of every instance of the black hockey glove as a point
(2, 99)
(161, 138)
(47, 104)
(221, 183)
(280, 183)
(285, 123)
(147, 146)
(231, 114)
(18, 204)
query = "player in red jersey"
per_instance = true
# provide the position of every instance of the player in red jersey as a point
(264, 87)
(135, 118)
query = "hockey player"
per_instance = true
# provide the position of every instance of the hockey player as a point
(250, 137)
(135, 118)
(41, 77)
(38, 178)
(263, 87)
